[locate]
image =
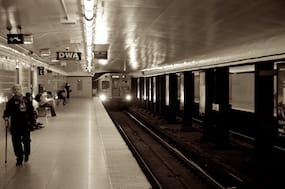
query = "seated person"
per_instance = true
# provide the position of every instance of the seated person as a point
(35, 104)
(49, 94)
(61, 95)
(47, 102)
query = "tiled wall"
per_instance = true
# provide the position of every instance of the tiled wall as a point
(80, 86)
(52, 81)
(8, 77)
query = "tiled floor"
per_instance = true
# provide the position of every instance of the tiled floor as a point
(78, 149)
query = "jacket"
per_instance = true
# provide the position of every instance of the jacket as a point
(21, 116)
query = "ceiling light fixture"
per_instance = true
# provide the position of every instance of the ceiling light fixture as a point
(88, 26)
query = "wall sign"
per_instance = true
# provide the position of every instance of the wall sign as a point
(41, 70)
(68, 55)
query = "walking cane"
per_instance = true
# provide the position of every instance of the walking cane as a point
(6, 125)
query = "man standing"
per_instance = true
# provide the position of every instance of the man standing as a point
(20, 110)
(68, 90)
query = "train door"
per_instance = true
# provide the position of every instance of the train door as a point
(125, 85)
(115, 86)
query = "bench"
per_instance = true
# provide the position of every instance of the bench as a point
(43, 112)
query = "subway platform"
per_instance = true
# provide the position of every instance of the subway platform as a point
(80, 148)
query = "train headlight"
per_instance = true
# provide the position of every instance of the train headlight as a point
(103, 97)
(128, 97)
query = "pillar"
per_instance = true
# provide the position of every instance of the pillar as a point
(188, 100)
(264, 104)
(172, 97)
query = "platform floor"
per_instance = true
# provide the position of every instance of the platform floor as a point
(80, 148)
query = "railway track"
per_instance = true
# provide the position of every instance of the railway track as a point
(162, 161)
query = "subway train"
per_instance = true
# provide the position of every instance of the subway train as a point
(114, 89)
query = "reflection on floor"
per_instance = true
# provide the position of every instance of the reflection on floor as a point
(79, 148)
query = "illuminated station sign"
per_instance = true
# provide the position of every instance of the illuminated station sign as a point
(66, 55)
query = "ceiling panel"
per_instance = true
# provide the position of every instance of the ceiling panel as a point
(147, 33)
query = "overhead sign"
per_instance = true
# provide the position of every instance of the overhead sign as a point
(101, 54)
(15, 38)
(101, 51)
(68, 55)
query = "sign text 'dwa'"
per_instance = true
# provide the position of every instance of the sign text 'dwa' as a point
(68, 55)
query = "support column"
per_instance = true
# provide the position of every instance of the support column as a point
(158, 95)
(162, 95)
(152, 109)
(147, 93)
(264, 104)
(221, 109)
(215, 128)
(188, 100)
(172, 97)
(144, 93)
(208, 128)
(134, 89)
(141, 91)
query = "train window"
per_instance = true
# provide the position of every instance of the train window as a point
(115, 87)
(115, 84)
(241, 89)
(105, 84)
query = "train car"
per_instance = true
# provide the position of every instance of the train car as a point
(114, 89)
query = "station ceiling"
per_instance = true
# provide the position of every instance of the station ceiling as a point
(148, 34)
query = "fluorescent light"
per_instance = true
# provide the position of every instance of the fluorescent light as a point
(89, 9)
(89, 15)
(28, 39)
(54, 60)
(102, 61)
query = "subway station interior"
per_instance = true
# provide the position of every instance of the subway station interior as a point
(209, 76)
